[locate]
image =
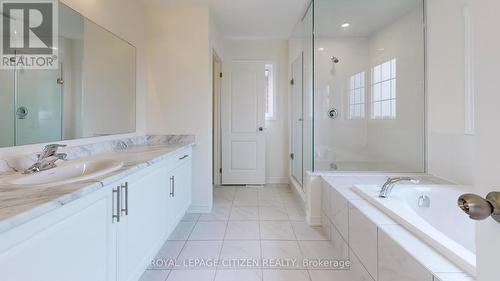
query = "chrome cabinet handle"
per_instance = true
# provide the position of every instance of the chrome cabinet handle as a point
(184, 157)
(125, 188)
(116, 205)
(172, 186)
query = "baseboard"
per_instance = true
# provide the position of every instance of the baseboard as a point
(297, 188)
(204, 209)
(276, 180)
(313, 221)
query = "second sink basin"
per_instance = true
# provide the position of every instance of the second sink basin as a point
(68, 172)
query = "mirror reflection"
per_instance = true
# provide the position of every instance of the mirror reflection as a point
(92, 93)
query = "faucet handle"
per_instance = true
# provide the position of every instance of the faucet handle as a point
(54, 146)
(50, 150)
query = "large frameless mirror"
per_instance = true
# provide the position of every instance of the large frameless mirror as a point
(91, 93)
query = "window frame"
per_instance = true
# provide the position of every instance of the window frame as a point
(352, 92)
(271, 82)
(392, 100)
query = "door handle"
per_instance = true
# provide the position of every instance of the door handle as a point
(125, 187)
(261, 129)
(116, 206)
(479, 208)
(184, 157)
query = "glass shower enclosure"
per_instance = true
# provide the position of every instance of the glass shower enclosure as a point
(362, 103)
(302, 98)
(31, 106)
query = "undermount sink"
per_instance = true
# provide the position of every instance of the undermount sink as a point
(68, 172)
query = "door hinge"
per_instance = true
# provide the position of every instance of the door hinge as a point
(220, 75)
(292, 155)
(292, 82)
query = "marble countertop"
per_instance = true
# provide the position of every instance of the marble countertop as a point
(20, 204)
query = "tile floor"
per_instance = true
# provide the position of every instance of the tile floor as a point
(246, 224)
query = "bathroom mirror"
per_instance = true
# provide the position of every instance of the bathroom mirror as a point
(91, 94)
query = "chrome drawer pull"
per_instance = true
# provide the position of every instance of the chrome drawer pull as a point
(125, 187)
(116, 206)
(172, 186)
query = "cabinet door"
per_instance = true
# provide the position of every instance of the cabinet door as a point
(75, 242)
(142, 231)
(182, 184)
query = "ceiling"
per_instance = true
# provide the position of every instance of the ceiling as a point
(365, 16)
(251, 18)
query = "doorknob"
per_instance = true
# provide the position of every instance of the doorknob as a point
(479, 208)
(261, 129)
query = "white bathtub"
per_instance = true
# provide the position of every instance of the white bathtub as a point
(441, 224)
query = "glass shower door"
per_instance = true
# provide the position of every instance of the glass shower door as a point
(38, 106)
(297, 119)
(6, 108)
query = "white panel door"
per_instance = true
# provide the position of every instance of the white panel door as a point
(243, 138)
(487, 60)
(297, 119)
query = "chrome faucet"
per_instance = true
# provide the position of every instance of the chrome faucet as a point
(47, 159)
(391, 182)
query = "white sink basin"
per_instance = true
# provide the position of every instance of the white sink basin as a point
(67, 173)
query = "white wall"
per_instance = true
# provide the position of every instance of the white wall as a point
(402, 141)
(180, 85)
(487, 85)
(126, 19)
(275, 51)
(341, 139)
(450, 151)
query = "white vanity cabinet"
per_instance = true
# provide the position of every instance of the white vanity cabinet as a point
(151, 207)
(87, 240)
(75, 242)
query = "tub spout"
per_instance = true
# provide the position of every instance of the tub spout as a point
(391, 182)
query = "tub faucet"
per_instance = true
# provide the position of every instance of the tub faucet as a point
(47, 159)
(391, 182)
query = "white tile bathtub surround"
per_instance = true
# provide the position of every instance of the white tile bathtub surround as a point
(396, 264)
(421, 252)
(356, 273)
(339, 214)
(23, 204)
(363, 239)
(325, 198)
(349, 212)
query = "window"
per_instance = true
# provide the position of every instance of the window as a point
(270, 105)
(384, 91)
(357, 96)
